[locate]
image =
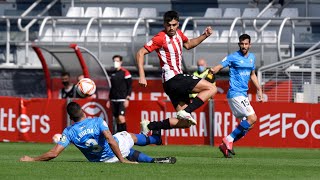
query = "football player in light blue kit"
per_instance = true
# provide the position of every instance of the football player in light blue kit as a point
(241, 69)
(94, 139)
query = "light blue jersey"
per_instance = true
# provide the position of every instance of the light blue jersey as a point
(240, 68)
(87, 136)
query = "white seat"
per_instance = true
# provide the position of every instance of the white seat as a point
(129, 12)
(269, 36)
(108, 35)
(75, 12)
(48, 35)
(111, 12)
(148, 13)
(70, 35)
(213, 38)
(124, 35)
(224, 36)
(92, 35)
(93, 12)
(250, 12)
(231, 13)
(271, 12)
(253, 34)
(289, 12)
(191, 34)
(213, 13)
(141, 31)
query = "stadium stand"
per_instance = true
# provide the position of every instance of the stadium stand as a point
(148, 12)
(111, 12)
(269, 36)
(250, 12)
(231, 13)
(75, 12)
(93, 12)
(213, 38)
(115, 29)
(289, 12)
(129, 12)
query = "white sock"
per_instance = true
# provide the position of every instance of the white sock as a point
(229, 138)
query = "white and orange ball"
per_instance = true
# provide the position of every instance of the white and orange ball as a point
(86, 87)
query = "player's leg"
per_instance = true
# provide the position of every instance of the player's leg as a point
(115, 115)
(121, 123)
(169, 123)
(240, 107)
(178, 89)
(138, 156)
(243, 133)
(205, 91)
(143, 140)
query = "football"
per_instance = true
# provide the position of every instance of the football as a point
(56, 138)
(86, 87)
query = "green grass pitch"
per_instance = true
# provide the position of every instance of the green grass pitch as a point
(193, 162)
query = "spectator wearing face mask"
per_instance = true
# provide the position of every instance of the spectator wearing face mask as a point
(120, 92)
(202, 72)
(68, 90)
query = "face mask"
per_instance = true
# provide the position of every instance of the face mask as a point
(116, 64)
(201, 69)
(65, 83)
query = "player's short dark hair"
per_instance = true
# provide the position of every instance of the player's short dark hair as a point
(74, 110)
(170, 15)
(117, 56)
(65, 74)
(244, 36)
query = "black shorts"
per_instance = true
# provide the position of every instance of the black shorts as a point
(179, 87)
(117, 108)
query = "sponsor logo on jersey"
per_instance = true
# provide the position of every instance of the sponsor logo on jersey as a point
(63, 138)
(149, 43)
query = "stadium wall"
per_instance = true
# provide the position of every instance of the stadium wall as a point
(25, 83)
(281, 125)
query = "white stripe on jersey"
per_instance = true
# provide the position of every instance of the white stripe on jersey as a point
(167, 72)
(179, 48)
(173, 55)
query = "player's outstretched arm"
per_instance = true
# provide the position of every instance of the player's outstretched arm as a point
(53, 153)
(140, 62)
(115, 148)
(196, 41)
(216, 69)
(255, 81)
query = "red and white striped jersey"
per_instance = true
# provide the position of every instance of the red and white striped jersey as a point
(169, 51)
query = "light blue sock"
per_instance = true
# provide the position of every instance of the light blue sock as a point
(138, 156)
(243, 126)
(145, 140)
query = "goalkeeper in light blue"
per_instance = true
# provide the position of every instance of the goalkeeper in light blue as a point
(94, 139)
(241, 69)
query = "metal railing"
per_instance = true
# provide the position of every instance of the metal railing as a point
(32, 22)
(293, 80)
(238, 22)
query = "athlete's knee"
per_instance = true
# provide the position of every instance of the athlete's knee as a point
(252, 119)
(214, 90)
(121, 119)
